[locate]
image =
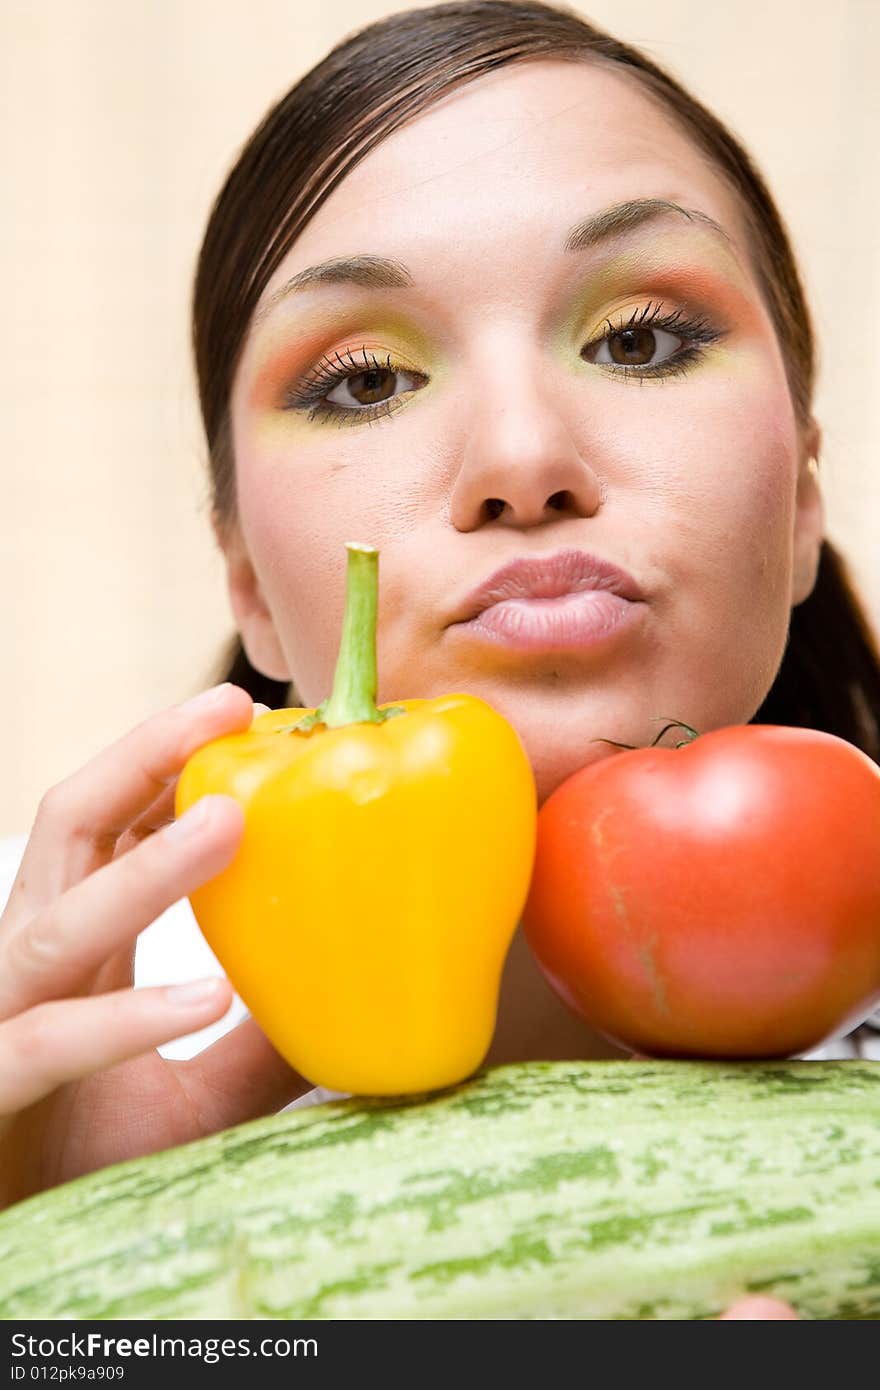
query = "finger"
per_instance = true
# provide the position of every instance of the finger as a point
(161, 813)
(71, 1039)
(240, 1077)
(80, 819)
(761, 1309)
(58, 952)
(117, 971)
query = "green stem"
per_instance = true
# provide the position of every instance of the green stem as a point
(675, 724)
(672, 724)
(353, 698)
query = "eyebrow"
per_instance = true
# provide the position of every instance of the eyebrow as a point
(615, 221)
(378, 272)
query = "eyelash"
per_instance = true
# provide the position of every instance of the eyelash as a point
(697, 331)
(308, 395)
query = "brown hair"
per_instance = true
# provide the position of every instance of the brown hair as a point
(369, 85)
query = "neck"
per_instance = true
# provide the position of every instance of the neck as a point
(533, 1024)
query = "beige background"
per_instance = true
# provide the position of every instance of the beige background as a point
(120, 119)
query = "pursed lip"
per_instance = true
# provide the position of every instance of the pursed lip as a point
(548, 576)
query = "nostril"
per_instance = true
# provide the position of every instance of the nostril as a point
(558, 500)
(494, 507)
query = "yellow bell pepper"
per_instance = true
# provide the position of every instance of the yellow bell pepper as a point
(385, 863)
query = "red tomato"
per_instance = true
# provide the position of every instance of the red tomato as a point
(720, 899)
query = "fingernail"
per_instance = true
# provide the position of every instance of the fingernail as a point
(206, 699)
(196, 818)
(193, 992)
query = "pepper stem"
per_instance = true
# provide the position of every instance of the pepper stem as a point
(353, 698)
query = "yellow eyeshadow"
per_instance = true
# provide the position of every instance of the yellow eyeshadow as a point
(634, 278)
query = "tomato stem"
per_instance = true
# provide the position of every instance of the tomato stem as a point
(675, 724)
(671, 724)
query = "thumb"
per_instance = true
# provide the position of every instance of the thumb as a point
(761, 1309)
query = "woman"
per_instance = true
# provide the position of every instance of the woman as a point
(485, 287)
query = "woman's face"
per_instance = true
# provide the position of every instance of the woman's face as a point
(624, 397)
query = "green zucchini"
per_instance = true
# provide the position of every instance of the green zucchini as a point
(601, 1190)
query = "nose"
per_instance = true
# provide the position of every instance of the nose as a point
(520, 465)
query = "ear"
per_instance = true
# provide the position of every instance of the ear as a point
(252, 617)
(809, 521)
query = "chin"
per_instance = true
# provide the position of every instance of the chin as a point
(551, 772)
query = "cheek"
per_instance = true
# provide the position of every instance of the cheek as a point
(327, 485)
(721, 491)
(752, 494)
(727, 558)
(298, 507)
(296, 547)
(702, 475)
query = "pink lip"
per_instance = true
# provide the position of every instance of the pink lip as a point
(542, 603)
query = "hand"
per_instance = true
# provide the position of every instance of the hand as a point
(81, 1085)
(760, 1309)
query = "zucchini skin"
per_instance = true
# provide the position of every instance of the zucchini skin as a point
(588, 1190)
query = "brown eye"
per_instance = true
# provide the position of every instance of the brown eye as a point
(369, 387)
(366, 388)
(634, 347)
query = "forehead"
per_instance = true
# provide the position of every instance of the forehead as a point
(535, 144)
